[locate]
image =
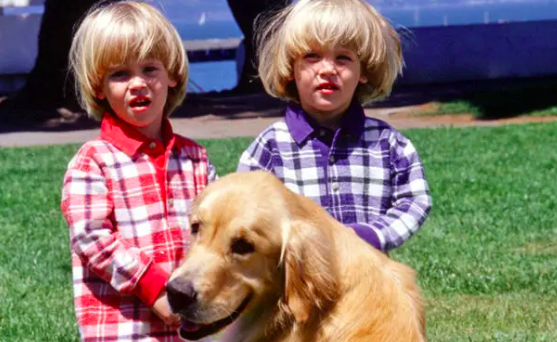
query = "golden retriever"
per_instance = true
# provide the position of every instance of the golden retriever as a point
(271, 265)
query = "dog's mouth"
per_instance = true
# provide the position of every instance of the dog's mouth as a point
(195, 331)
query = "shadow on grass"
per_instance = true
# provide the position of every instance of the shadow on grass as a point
(506, 99)
(486, 100)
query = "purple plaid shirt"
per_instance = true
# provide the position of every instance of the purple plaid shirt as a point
(365, 174)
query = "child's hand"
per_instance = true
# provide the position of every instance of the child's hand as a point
(162, 309)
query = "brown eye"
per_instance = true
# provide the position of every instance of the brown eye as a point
(149, 69)
(311, 57)
(242, 247)
(194, 228)
(344, 58)
(118, 74)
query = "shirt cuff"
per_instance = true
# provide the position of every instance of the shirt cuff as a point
(368, 234)
(151, 284)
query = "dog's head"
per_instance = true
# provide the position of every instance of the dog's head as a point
(254, 243)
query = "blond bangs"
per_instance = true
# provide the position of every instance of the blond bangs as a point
(119, 34)
(327, 26)
(308, 24)
(133, 39)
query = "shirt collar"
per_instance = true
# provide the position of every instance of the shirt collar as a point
(301, 125)
(128, 139)
(298, 122)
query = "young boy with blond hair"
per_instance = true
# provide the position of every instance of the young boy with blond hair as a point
(126, 194)
(327, 58)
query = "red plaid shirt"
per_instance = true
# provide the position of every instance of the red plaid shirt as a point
(126, 200)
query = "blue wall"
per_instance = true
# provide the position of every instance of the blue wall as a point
(455, 53)
(444, 40)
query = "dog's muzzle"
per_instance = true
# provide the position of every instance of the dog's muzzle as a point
(181, 296)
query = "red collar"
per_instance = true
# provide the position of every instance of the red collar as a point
(128, 139)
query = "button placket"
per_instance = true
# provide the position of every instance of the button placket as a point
(334, 184)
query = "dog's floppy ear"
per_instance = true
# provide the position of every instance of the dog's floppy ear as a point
(311, 275)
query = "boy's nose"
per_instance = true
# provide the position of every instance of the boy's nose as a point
(137, 82)
(327, 67)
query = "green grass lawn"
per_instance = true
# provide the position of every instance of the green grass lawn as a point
(486, 257)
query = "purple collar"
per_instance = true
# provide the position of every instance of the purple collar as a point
(301, 125)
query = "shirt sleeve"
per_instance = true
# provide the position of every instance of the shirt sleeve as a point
(211, 172)
(410, 201)
(87, 207)
(256, 157)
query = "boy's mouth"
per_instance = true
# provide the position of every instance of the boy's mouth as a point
(140, 102)
(327, 87)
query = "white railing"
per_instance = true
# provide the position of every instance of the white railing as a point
(20, 3)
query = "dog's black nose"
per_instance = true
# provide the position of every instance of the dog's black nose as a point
(180, 294)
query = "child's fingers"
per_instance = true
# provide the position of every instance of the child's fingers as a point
(167, 317)
(172, 320)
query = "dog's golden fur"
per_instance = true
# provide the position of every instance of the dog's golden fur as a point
(309, 277)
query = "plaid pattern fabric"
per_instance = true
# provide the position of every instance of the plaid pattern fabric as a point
(366, 174)
(126, 201)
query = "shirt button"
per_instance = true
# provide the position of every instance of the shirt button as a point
(170, 202)
(335, 186)
(152, 145)
(322, 132)
(332, 159)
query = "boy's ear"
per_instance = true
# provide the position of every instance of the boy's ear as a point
(363, 79)
(172, 83)
(101, 95)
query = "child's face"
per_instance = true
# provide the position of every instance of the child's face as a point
(326, 80)
(137, 93)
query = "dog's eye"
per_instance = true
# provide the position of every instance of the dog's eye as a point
(194, 228)
(241, 246)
